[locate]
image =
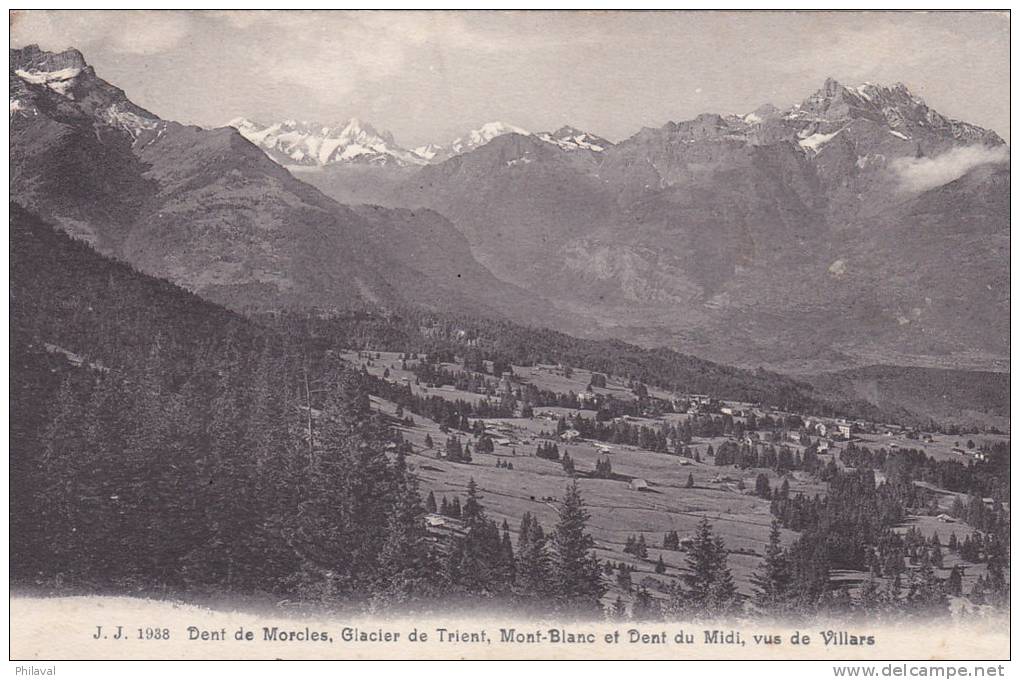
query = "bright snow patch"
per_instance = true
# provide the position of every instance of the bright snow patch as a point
(44, 77)
(898, 134)
(484, 135)
(572, 143)
(428, 151)
(59, 81)
(815, 141)
(130, 122)
(314, 143)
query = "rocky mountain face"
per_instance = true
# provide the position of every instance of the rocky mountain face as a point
(210, 211)
(855, 227)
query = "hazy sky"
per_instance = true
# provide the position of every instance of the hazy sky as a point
(429, 76)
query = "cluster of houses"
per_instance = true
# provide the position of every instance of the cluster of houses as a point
(841, 429)
(691, 403)
(503, 434)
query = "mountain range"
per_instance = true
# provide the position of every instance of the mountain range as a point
(210, 211)
(294, 144)
(859, 226)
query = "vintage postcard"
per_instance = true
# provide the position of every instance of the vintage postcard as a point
(509, 335)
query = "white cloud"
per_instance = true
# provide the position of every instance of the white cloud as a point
(862, 51)
(330, 53)
(921, 174)
(333, 52)
(131, 32)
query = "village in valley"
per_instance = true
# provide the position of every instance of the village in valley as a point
(653, 464)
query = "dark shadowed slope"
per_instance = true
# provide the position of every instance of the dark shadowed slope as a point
(210, 211)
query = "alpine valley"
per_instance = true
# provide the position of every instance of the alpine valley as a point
(859, 226)
(856, 228)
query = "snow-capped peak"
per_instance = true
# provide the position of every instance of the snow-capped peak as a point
(242, 122)
(896, 108)
(293, 142)
(58, 71)
(427, 151)
(484, 135)
(570, 138)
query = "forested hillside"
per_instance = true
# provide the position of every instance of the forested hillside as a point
(164, 442)
(504, 342)
(161, 442)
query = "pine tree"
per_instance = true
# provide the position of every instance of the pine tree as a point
(644, 606)
(676, 606)
(671, 541)
(532, 573)
(576, 573)
(351, 480)
(690, 481)
(926, 593)
(995, 578)
(278, 463)
(870, 598)
(660, 566)
(507, 566)
(568, 464)
(228, 501)
(710, 588)
(623, 578)
(472, 513)
(640, 548)
(404, 557)
(480, 562)
(430, 503)
(63, 468)
(954, 585)
(773, 580)
(618, 612)
(936, 555)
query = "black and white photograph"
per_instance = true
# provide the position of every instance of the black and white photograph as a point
(476, 334)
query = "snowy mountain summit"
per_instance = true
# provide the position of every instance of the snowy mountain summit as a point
(57, 71)
(294, 142)
(483, 136)
(571, 139)
(64, 82)
(895, 108)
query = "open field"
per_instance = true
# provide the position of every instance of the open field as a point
(941, 446)
(618, 509)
